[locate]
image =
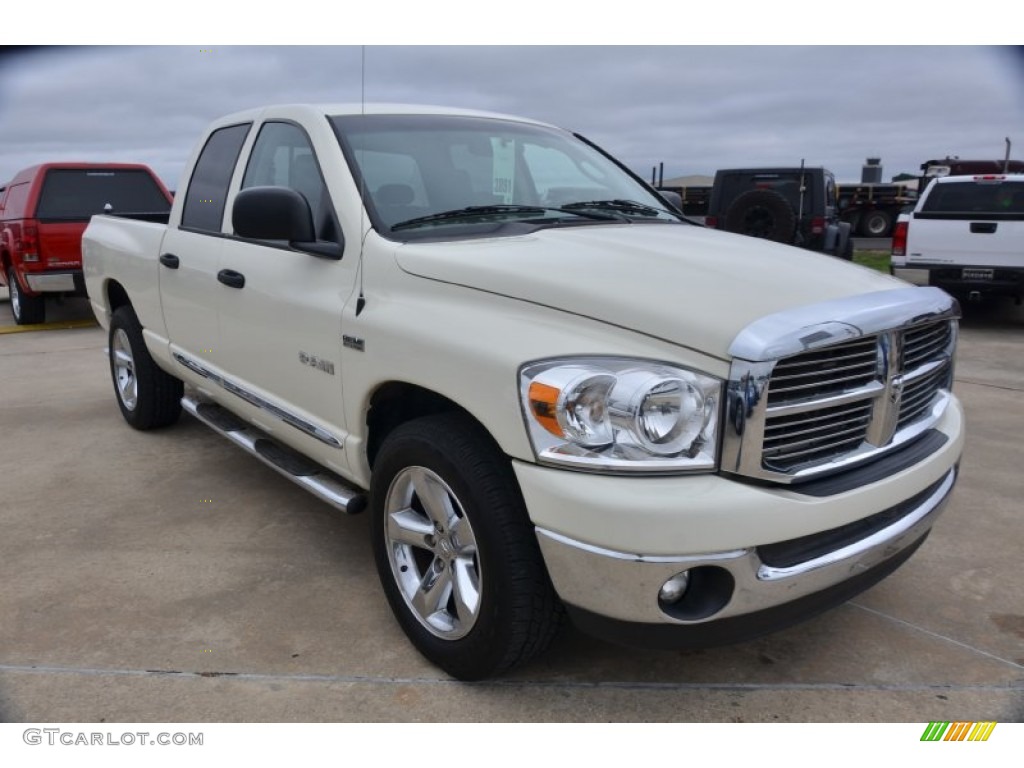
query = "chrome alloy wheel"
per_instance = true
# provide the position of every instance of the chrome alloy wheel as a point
(124, 370)
(15, 293)
(433, 553)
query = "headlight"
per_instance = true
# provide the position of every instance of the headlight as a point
(617, 414)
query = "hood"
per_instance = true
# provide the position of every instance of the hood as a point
(687, 285)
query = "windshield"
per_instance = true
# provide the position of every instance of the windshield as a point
(428, 174)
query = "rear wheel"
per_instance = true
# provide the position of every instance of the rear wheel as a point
(27, 310)
(876, 223)
(456, 553)
(147, 396)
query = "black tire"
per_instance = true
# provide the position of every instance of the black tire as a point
(474, 525)
(847, 253)
(762, 213)
(148, 397)
(27, 310)
(876, 223)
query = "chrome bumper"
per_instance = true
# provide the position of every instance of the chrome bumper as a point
(625, 587)
(51, 282)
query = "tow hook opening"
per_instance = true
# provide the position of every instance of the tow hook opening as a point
(697, 593)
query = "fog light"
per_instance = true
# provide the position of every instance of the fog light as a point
(672, 591)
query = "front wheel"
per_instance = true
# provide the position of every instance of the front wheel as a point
(455, 550)
(147, 396)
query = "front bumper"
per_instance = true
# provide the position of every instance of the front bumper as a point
(759, 557)
(730, 584)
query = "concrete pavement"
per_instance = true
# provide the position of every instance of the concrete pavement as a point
(169, 577)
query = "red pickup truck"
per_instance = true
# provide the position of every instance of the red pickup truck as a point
(43, 212)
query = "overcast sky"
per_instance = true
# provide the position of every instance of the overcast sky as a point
(694, 108)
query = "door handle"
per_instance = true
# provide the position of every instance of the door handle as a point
(231, 278)
(983, 227)
(169, 260)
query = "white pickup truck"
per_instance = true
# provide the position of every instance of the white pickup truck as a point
(965, 235)
(555, 394)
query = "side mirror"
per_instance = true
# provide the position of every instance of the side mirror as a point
(272, 213)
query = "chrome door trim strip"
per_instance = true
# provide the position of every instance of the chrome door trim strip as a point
(309, 428)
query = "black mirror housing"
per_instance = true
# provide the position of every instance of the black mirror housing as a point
(272, 213)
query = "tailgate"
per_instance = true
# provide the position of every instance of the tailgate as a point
(60, 244)
(980, 242)
(973, 222)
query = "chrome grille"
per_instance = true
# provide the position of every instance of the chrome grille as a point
(918, 395)
(813, 435)
(923, 344)
(822, 388)
(823, 372)
(833, 401)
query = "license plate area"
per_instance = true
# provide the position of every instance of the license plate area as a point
(973, 273)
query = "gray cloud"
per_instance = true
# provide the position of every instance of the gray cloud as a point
(694, 108)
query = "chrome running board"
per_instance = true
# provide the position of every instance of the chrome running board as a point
(313, 477)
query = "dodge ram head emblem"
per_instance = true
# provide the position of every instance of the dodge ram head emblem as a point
(889, 371)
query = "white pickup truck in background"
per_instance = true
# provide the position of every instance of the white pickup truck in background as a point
(554, 394)
(965, 235)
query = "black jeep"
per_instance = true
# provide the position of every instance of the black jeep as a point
(796, 206)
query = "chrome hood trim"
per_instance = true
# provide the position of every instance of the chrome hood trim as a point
(802, 329)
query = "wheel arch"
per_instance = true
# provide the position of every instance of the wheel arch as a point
(394, 403)
(116, 296)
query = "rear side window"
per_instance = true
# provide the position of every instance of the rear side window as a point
(17, 198)
(208, 187)
(987, 196)
(76, 194)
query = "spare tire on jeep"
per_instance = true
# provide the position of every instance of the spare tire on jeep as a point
(762, 213)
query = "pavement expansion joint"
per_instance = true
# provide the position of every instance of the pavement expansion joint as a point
(938, 635)
(1012, 686)
(989, 386)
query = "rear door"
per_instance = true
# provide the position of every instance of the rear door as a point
(190, 254)
(977, 222)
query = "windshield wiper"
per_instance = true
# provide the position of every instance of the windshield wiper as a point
(621, 206)
(474, 211)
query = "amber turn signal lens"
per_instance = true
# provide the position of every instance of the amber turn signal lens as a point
(543, 399)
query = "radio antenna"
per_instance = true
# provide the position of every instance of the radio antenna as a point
(361, 301)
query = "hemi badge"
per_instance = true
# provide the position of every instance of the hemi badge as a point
(353, 342)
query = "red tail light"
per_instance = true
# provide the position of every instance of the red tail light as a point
(817, 225)
(899, 238)
(29, 243)
(711, 221)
